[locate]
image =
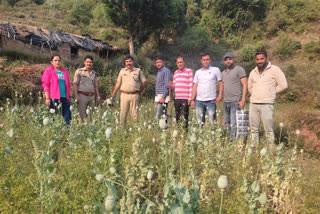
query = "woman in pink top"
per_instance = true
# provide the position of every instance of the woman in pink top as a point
(56, 86)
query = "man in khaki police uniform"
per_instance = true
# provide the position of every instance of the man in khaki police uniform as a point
(85, 87)
(131, 82)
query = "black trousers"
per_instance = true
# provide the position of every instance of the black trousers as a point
(182, 108)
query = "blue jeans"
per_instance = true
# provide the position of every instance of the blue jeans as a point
(65, 108)
(229, 114)
(161, 109)
(202, 107)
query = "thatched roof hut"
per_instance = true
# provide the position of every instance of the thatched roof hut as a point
(42, 41)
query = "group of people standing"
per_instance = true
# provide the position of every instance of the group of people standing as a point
(200, 91)
(57, 88)
(197, 91)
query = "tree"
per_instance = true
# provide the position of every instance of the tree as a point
(141, 18)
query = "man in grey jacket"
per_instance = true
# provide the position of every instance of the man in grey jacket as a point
(265, 81)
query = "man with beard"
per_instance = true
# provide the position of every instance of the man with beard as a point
(235, 86)
(265, 81)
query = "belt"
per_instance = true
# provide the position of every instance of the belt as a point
(86, 94)
(136, 92)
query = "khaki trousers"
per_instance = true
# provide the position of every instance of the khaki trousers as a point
(264, 113)
(128, 102)
(84, 102)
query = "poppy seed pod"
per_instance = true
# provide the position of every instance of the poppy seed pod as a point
(52, 142)
(193, 138)
(112, 170)
(263, 152)
(222, 182)
(162, 124)
(263, 198)
(149, 175)
(10, 133)
(99, 177)
(109, 101)
(109, 203)
(175, 133)
(108, 133)
(46, 121)
(86, 207)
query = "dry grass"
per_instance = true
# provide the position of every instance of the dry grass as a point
(43, 16)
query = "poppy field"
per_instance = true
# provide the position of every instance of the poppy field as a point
(144, 167)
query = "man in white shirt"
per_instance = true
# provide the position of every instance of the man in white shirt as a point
(204, 94)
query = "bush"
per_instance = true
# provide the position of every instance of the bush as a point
(99, 14)
(80, 15)
(260, 45)
(248, 66)
(248, 53)
(291, 71)
(107, 83)
(110, 35)
(99, 66)
(196, 39)
(12, 2)
(299, 28)
(290, 15)
(22, 84)
(234, 42)
(38, 2)
(313, 47)
(290, 96)
(286, 46)
(53, 4)
(12, 55)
